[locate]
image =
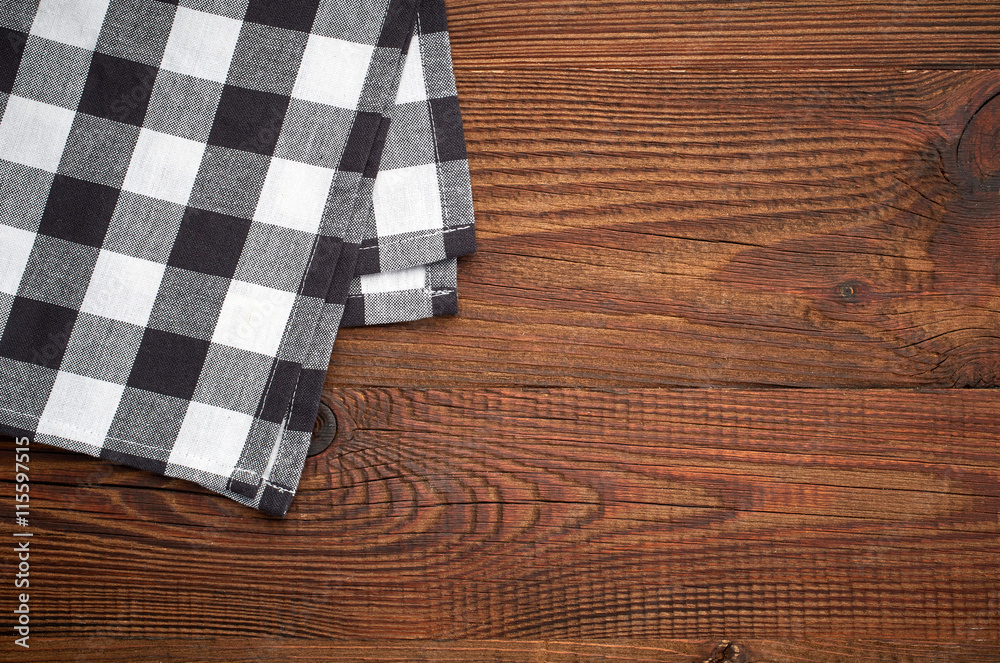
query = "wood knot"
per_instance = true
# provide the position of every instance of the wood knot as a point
(850, 292)
(979, 146)
(728, 651)
(324, 430)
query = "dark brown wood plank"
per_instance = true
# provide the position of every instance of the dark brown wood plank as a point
(749, 221)
(254, 650)
(791, 229)
(552, 514)
(685, 34)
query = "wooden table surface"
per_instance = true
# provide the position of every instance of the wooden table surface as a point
(723, 386)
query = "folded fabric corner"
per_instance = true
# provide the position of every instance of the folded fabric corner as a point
(194, 197)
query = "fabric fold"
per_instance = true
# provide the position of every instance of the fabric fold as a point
(195, 197)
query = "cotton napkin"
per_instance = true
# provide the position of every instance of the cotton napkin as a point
(194, 197)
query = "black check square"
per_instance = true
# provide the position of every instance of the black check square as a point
(274, 500)
(37, 332)
(248, 120)
(284, 375)
(303, 416)
(209, 242)
(168, 364)
(448, 129)
(78, 211)
(369, 260)
(459, 243)
(289, 14)
(11, 48)
(118, 89)
(398, 25)
(432, 17)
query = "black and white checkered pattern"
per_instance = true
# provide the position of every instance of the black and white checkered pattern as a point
(194, 196)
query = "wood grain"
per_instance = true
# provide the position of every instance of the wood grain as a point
(679, 34)
(670, 194)
(556, 514)
(787, 229)
(255, 650)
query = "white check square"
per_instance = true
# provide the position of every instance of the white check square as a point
(164, 166)
(201, 44)
(407, 200)
(253, 318)
(76, 22)
(123, 288)
(211, 439)
(34, 133)
(332, 72)
(15, 249)
(411, 82)
(294, 195)
(404, 279)
(80, 408)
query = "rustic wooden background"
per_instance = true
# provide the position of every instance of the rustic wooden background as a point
(722, 388)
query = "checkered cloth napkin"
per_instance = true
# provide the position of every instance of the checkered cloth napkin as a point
(194, 196)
